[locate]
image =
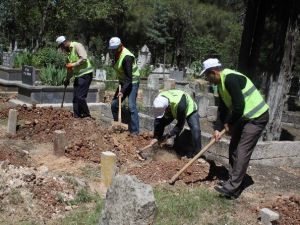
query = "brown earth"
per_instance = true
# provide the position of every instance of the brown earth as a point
(87, 138)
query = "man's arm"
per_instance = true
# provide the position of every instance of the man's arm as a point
(234, 85)
(127, 67)
(81, 52)
(181, 116)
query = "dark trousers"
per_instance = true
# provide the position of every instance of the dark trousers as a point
(131, 93)
(81, 88)
(194, 124)
(244, 137)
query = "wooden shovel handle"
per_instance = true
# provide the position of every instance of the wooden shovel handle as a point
(212, 141)
(120, 105)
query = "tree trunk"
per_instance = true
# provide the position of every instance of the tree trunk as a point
(44, 13)
(279, 89)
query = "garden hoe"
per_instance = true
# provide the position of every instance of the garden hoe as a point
(118, 125)
(69, 74)
(212, 141)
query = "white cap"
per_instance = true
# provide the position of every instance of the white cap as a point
(114, 43)
(210, 63)
(160, 104)
(60, 40)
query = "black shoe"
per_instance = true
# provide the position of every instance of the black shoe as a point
(221, 182)
(228, 194)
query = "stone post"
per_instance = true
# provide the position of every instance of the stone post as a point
(268, 216)
(59, 142)
(108, 167)
(153, 82)
(12, 121)
(202, 102)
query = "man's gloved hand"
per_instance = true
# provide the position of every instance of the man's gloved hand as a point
(66, 82)
(69, 66)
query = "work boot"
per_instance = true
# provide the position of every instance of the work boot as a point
(228, 194)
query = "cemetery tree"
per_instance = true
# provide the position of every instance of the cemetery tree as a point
(271, 31)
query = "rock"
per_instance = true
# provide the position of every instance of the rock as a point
(128, 201)
(267, 216)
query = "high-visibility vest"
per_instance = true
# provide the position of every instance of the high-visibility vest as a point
(82, 69)
(174, 97)
(119, 69)
(255, 105)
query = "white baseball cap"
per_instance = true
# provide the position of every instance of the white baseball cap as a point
(114, 43)
(160, 104)
(210, 63)
(60, 40)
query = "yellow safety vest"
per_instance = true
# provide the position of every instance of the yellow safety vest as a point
(82, 69)
(174, 97)
(119, 69)
(255, 105)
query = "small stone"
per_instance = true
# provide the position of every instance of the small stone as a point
(68, 208)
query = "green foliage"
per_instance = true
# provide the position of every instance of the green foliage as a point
(47, 56)
(145, 72)
(50, 75)
(192, 205)
(23, 58)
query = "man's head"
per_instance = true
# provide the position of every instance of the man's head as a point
(160, 105)
(115, 44)
(211, 70)
(63, 42)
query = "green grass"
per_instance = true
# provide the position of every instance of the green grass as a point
(194, 206)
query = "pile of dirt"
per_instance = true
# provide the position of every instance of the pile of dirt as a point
(157, 172)
(288, 208)
(33, 190)
(86, 138)
(14, 156)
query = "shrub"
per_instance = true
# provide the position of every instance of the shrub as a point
(23, 58)
(53, 76)
(48, 56)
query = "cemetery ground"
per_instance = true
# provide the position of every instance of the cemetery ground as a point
(37, 187)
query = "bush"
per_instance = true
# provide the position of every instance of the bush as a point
(48, 56)
(53, 76)
(21, 59)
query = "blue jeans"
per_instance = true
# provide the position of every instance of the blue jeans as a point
(133, 125)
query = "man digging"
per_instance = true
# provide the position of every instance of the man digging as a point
(129, 78)
(244, 114)
(179, 105)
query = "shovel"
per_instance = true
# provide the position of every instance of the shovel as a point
(212, 141)
(118, 125)
(142, 153)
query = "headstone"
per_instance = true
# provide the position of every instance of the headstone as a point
(202, 102)
(149, 96)
(108, 167)
(8, 59)
(100, 75)
(107, 59)
(129, 201)
(144, 57)
(12, 121)
(177, 75)
(59, 142)
(212, 113)
(169, 84)
(153, 82)
(28, 75)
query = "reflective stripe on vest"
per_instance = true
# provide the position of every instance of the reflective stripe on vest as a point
(254, 102)
(82, 69)
(174, 97)
(119, 69)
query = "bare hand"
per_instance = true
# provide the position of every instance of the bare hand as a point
(217, 135)
(120, 94)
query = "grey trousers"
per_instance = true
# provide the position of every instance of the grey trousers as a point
(244, 137)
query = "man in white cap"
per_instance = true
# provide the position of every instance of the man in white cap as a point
(129, 78)
(78, 66)
(179, 105)
(244, 115)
